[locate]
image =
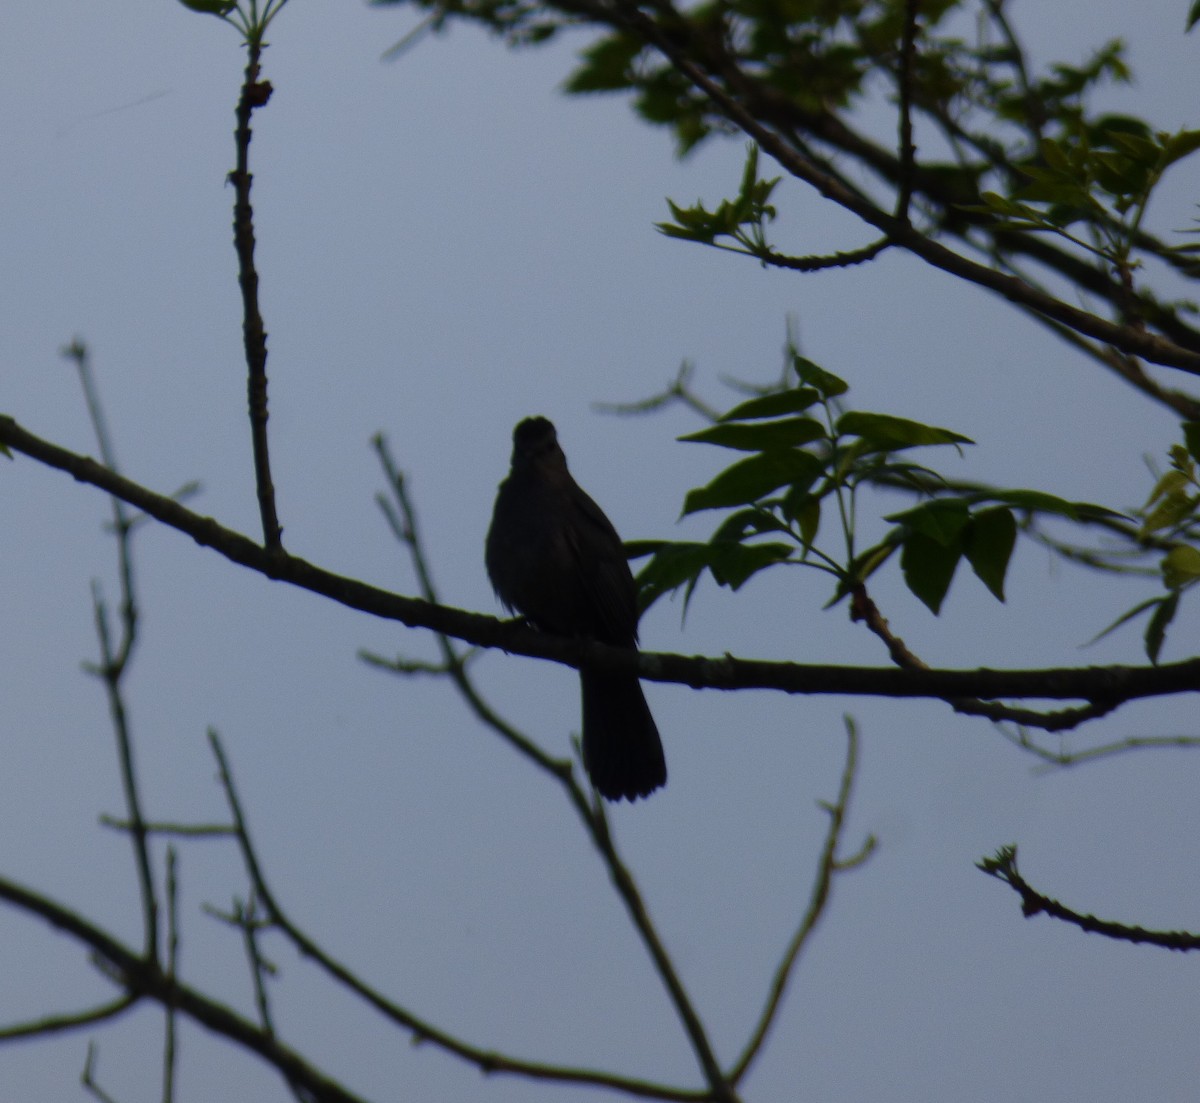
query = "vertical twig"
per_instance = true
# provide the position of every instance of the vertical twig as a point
(255, 93)
(77, 352)
(908, 151)
(172, 972)
(114, 658)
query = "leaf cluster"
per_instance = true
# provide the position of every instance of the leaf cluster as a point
(806, 458)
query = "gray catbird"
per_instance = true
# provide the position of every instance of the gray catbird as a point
(553, 556)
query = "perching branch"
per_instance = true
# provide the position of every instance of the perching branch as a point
(1092, 684)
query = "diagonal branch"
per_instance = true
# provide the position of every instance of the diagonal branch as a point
(144, 979)
(488, 1061)
(741, 100)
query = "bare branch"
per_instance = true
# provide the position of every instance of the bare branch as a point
(254, 94)
(1004, 868)
(829, 865)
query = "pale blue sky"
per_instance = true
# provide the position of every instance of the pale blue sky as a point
(446, 244)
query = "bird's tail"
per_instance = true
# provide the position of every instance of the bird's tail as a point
(622, 752)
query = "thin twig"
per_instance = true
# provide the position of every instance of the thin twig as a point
(114, 655)
(254, 94)
(1003, 866)
(88, 1077)
(488, 1061)
(73, 1020)
(169, 1039)
(908, 150)
(144, 979)
(179, 830)
(829, 865)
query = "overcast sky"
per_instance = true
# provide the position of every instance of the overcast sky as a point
(447, 244)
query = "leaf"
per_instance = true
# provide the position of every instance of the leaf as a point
(1160, 620)
(1191, 431)
(210, 7)
(1193, 15)
(813, 375)
(1171, 485)
(793, 401)
(928, 568)
(1035, 501)
(808, 517)
(1180, 145)
(761, 436)
(681, 564)
(1174, 508)
(748, 522)
(889, 433)
(733, 565)
(1125, 618)
(940, 519)
(988, 545)
(671, 566)
(1180, 566)
(753, 478)
(606, 66)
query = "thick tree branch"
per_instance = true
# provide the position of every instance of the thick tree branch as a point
(1092, 684)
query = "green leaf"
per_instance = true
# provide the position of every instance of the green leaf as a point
(753, 478)
(210, 7)
(1193, 15)
(1035, 501)
(940, 519)
(1160, 620)
(733, 565)
(928, 568)
(813, 375)
(889, 433)
(808, 516)
(748, 522)
(682, 564)
(761, 436)
(793, 401)
(1191, 431)
(606, 66)
(672, 565)
(1180, 145)
(1173, 509)
(1125, 618)
(1180, 566)
(988, 545)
